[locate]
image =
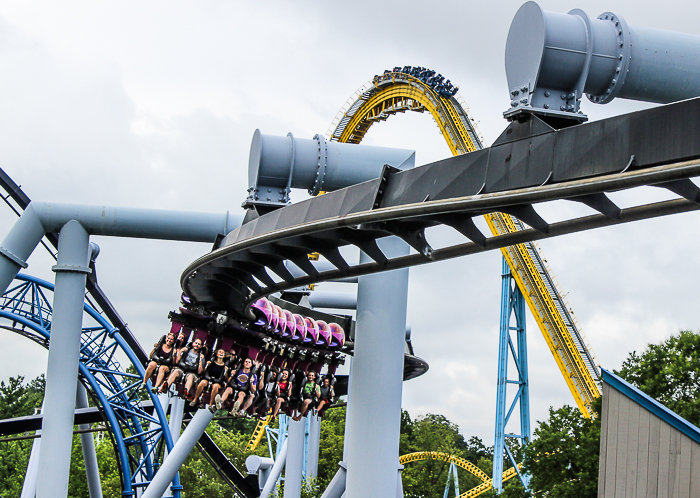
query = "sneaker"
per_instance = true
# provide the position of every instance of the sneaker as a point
(193, 403)
(212, 409)
(154, 390)
(236, 406)
(217, 399)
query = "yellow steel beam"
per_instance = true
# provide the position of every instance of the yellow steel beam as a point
(258, 433)
(486, 481)
(541, 303)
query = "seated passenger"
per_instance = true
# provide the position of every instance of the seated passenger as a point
(242, 385)
(214, 374)
(283, 388)
(182, 338)
(326, 396)
(310, 393)
(189, 365)
(161, 358)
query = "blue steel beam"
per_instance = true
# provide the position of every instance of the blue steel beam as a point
(512, 303)
(139, 453)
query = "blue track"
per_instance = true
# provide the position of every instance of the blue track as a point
(140, 438)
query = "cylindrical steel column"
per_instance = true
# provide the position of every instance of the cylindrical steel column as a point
(30, 478)
(313, 446)
(18, 245)
(173, 462)
(336, 488)
(374, 412)
(295, 458)
(177, 411)
(64, 357)
(271, 482)
(92, 471)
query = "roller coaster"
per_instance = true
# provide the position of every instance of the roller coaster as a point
(545, 154)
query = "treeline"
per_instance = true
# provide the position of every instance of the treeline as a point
(669, 372)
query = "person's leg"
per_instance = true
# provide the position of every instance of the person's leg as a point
(174, 376)
(278, 405)
(215, 399)
(200, 387)
(162, 371)
(321, 404)
(248, 402)
(239, 401)
(302, 410)
(149, 371)
(227, 392)
(189, 379)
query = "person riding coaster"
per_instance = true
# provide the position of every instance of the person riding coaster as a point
(214, 375)
(242, 385)
(161, 358)
(283, 387)
(310, 393)
(189, 365)
(326, 394)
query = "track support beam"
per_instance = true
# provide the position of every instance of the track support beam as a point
(64, 358)
(512, 303)
(374, 408)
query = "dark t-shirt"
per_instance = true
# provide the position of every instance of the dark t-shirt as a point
(242, 378)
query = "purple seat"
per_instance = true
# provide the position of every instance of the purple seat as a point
(291, 324)
(324, 334)
(311, 330)
(300, 332)
(281, 327)
(262, 309)
(338, 335)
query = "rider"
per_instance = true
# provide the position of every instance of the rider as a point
(284, 386)
(214, 374)
(189, 364)
(161, 358)
(310, 393)
(326, 396)
(244, 383)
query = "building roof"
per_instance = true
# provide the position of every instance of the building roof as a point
(651, 405)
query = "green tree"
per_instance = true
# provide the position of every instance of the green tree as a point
(670, 373)
(562, 459)
(18, 399)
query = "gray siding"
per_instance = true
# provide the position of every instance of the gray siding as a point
(641, 455)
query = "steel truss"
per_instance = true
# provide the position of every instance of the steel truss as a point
(512, 304)
(140, 437)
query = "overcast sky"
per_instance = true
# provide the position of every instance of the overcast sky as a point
(153, 104)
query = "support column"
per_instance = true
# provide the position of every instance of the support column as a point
(87, 441)
(295, 458)
(30, 478)
(374, 412)
(173, 462)
(64, 357)
(271, 483)
(512, 302)
(177, 411)
(314, 440)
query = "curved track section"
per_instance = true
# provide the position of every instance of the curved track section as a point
(486, 481)
(232, 277)
(396, 92)
(140, 436)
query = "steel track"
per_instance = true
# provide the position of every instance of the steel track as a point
(234, 271)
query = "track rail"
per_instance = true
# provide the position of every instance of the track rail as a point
(136, 354)
(562, 333)
(486, 481)
(232, 277)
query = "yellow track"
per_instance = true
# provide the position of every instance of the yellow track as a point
(398, 92)
(486, 481)
(258, 433)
